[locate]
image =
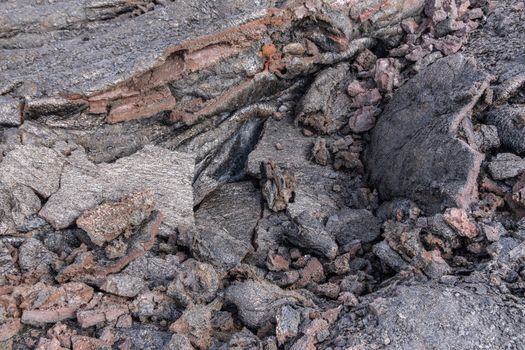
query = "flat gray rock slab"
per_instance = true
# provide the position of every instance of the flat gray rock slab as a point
(84, 185)
(415, 151)
(36, 167)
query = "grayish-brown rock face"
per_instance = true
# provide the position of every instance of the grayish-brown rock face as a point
(269, 174)
(416, 149)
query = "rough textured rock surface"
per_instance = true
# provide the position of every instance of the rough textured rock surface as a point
(325, 105)
(213, 244)
(261, 175)
(418, 131)
(10, 111)
(310, 178)
(134, 43)
(415, 316)
(311, 236)
(353, 224)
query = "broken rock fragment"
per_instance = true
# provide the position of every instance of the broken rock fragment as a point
(86, 267)
(311, 235)
(9, 329)
(389, 257)
(38, 168)
(386, 74)
(104, 309)
(34, 255)
(179, 342)
(409, 154)
(196, 282)
(154, 304)
(50, 304)
(365, 60)
(109, 220)
(10, 111)
(312, 272)
(215, 245)
(236, 207)
(349, 225)
(363, 119)
(320, 153)
(487, 137)
(257, 302)
(404, 239)
(326, 104)
(506, 165)
(18, 207)
(368, 98)
(279, 186)
(287, 327)
(458, 219)
(269, 234)
(7, 263)
(123, 285)
(196, 324)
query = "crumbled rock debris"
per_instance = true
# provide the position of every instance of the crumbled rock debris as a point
(262, 175)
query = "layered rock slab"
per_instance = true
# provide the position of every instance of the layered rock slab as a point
(134, 43)
(416, 151)
(83, 185)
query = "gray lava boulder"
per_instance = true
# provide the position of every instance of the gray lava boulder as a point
(213, 244)
(38, 168)
(416, 151)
